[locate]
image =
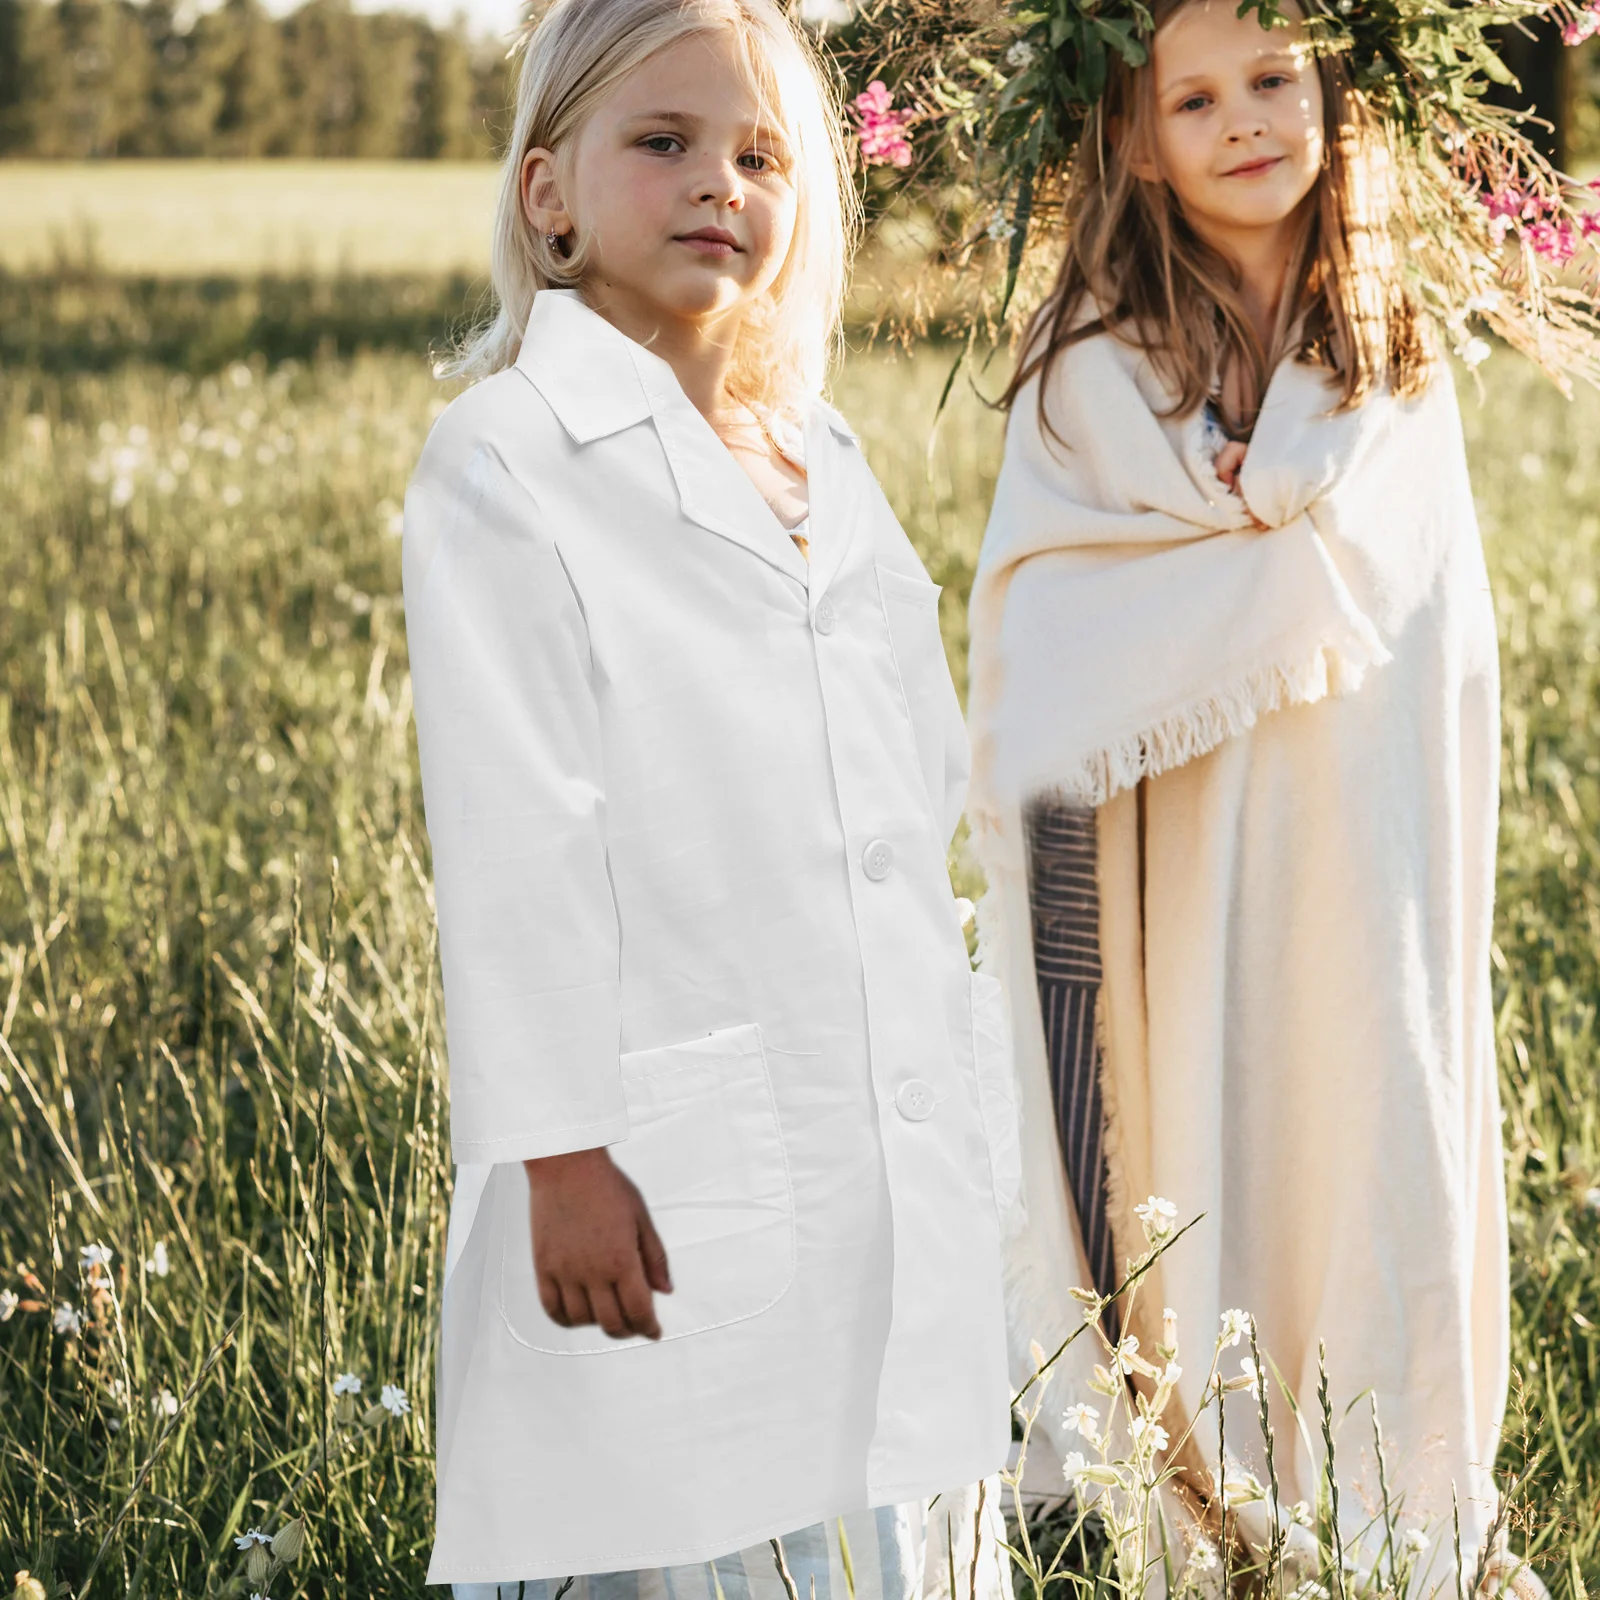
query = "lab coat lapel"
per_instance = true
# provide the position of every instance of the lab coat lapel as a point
(598, 382)
(834, 487)
(713, 489)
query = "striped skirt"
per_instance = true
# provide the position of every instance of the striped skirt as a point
(1064, 900)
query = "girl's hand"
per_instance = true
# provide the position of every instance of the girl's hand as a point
(1230, 462)
(596, 1253)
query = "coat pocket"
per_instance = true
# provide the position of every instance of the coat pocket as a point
(707, 1154)
(911, 613)
(997, 1091)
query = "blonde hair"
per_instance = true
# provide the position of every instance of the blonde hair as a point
(1136, 269)
(570, 61)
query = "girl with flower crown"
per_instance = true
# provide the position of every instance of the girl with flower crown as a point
(1234, 711)
(722, 1304)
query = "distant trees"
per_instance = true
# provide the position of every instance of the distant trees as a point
(91, 78)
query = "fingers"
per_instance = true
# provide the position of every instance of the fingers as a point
(576, 1307)
(550, 1299)
(637, 1304)
(654, 1254)
(608, 1311)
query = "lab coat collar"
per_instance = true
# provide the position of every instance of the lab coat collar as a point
(598, 381)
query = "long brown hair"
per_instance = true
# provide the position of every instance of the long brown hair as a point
(1136, 269)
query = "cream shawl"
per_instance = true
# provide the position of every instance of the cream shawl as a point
(1290, 732)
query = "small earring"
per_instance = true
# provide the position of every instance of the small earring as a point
(553, 239)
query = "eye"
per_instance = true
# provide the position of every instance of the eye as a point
(663, 144)
(1274, 80)
(1195, 102)
(759, 161)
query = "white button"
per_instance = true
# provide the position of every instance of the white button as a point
(915, 1100)
(876, 859)
(826, 616)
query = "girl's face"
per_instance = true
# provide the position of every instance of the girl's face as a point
(678, 188)
(1237, 122)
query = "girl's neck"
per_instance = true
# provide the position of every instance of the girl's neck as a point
(699, 353)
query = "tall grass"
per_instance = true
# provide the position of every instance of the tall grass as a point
(217, 966)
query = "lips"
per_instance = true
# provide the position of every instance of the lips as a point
(710, 241)
(1253, 169)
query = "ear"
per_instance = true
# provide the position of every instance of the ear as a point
(1140, 163)
(541, 193)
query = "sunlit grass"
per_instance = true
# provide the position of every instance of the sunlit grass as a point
(204, 705)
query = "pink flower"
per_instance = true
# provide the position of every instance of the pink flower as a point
(1557, 242)
(881, 129)
(1589, 224)
(1510, 202)
(1583, 26)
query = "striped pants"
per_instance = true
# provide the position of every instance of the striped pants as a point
(1064, 899)
(891, 1553)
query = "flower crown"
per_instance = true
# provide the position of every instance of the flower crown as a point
(995, 98)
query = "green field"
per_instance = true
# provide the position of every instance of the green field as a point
(217, 969)
(188, 218)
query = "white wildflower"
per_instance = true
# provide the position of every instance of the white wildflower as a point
(1021, 55)
(1170, 1375)
(999, 229)
(159, 1264)
(8, 1304)
(1235, 1325)
(1300, 1514)
(1250, 1376)
(347, 1383)
(66, 1320)
(1474, 352)
(1081, 1419)
(1158, 1216)
(1148, 1434)
(164, 1403)
(1488, 300)
(94, 1255)
(1203, 1557)
(393, 1400)
(1415, 1542)
(1074, 1466)
(255, 1536)
(1127, 1354)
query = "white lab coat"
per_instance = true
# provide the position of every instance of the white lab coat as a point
(689, 799)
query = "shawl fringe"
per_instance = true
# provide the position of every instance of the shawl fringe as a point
(1199, 728)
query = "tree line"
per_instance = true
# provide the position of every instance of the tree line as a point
(83, 79)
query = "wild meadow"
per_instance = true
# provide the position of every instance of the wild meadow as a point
(223, 1159)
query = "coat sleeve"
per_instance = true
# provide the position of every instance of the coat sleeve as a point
(508, 730)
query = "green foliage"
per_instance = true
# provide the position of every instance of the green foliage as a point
(218, 1044)
(92, 78)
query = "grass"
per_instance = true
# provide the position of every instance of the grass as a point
(181, 218)
(217, 974)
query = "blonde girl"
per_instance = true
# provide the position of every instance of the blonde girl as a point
(1235, 719)
(722, 1308)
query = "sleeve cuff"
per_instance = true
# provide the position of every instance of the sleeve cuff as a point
(545, 1142)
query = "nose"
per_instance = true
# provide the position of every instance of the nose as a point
(721, 184)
